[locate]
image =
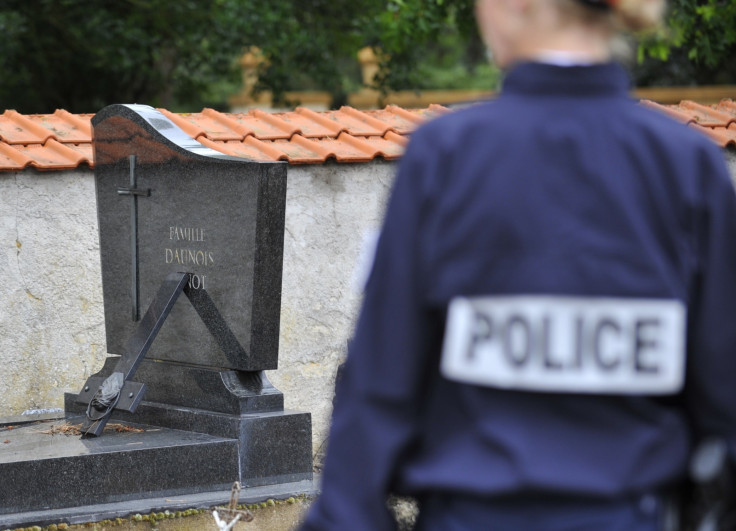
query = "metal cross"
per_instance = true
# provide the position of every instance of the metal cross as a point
(133, 191)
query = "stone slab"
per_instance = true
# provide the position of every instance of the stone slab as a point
(50, 471)
(203, 500)
(274, 447)
(193, 210)
(17, 420)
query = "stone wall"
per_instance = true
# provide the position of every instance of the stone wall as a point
(51, 313)
(731, 162)
(330, 209)
(50, 295)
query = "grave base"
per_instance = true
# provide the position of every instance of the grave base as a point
(273, 446)
(47, 474)
(109, 511)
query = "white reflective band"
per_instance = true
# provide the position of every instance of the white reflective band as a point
(566, 344)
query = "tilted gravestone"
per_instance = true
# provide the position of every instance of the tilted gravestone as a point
(219, 218)
(167, 205)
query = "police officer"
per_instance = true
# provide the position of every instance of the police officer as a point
(548, 326)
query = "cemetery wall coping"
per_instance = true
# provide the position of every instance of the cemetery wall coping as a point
(62, 141)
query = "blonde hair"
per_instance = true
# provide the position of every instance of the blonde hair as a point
(626, 15)
(639, 15)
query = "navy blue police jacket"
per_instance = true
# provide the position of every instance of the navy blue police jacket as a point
(563, 185)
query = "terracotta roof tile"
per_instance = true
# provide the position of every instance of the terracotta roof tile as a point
(321, 125)
(342, 150)
(260, 126)
(185, 122)
(12, 159)
(66, 127)
(279, 122)
(396, 138)
(717, 122)
(237, 148)
(53, 155)
(62, 140)
(708, 116)
(728, 106)
(721, 135)
(266, 147)
(307, 150)
(84, 149)
(211, 124)
(301, 150)
(17, 128)
(670, 111)
(401, 120)
(21, 129)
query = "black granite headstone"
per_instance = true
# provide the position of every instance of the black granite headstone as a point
(167, 204)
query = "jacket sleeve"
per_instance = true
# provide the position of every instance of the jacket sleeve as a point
(377, 396)
(711, 365)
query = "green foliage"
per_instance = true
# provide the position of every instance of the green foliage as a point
(183, 54)
(702, 32)
(451, 60)
(412, 32)
(308, 44)
(313, 44)
(82, 55)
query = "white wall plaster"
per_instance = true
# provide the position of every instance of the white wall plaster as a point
(51, 312)
(329, 210)
(731, 162)
(50, 295)
(51, 315)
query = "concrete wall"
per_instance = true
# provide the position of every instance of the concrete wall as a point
(731, 162)
(329, 210)
(52, 331)
(51, 314)
(51, 318)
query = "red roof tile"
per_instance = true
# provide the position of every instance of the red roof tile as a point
(12, 159)
(61, 140)
(718, 121)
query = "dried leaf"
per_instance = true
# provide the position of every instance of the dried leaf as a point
(76, 429)
(123, 428)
